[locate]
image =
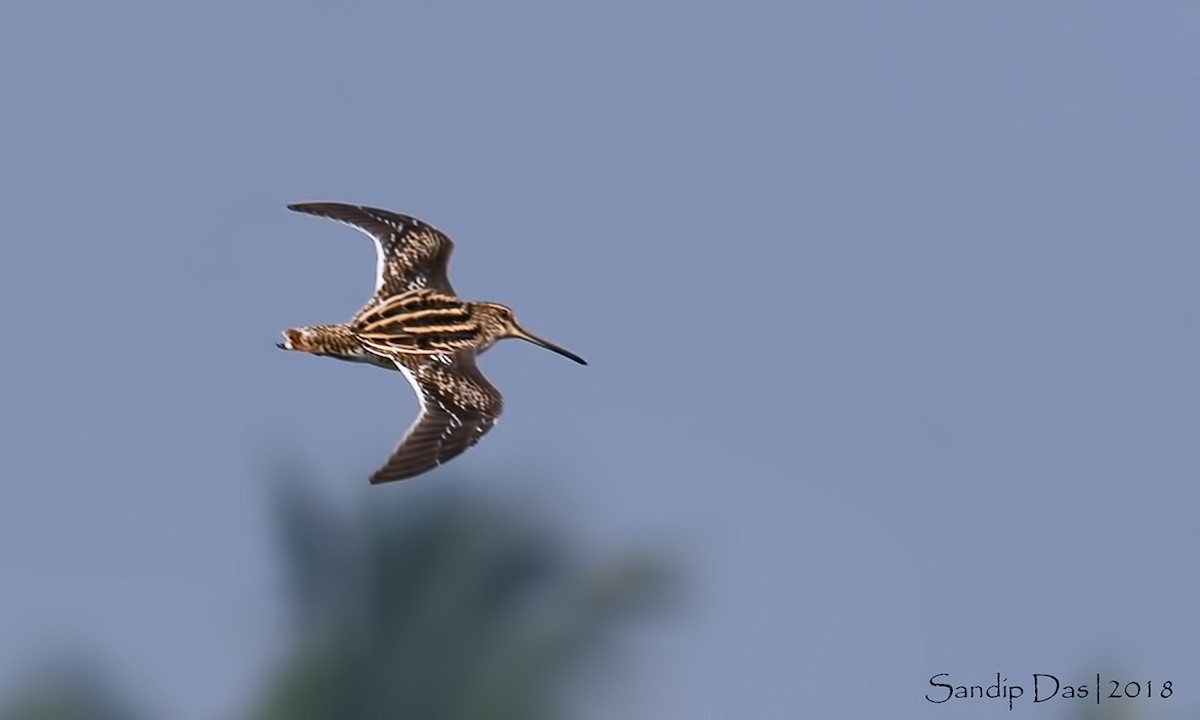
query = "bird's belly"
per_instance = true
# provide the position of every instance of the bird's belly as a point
(363, 356)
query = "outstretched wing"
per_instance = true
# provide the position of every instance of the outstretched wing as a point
(458, 406)
(409, 253)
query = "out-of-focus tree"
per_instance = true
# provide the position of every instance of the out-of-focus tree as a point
(446, 607)
(69, 691)
(450, 606)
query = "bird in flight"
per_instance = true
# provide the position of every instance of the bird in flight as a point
(417, 324)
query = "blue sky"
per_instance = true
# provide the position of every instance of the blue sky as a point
(890, 310)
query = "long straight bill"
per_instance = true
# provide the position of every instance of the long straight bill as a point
(525, 335)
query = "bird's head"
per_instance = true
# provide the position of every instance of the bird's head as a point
(500, 322)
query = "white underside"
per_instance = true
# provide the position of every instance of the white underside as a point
(412, 380)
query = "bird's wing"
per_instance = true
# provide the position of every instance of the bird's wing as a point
(458, 406)
(409, 253)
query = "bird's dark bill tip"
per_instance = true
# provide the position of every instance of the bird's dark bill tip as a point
(569, 355)
(551, 347)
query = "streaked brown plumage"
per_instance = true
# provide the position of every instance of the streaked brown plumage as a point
(415, 323)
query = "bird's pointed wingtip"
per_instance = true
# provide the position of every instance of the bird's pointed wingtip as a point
(309, 207)
(379, 478)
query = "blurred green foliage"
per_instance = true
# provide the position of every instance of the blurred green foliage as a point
(443, 606)
(69, 691)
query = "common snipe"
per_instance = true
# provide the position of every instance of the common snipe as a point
(415, 323)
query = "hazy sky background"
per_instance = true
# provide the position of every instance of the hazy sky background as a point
(890, 307)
